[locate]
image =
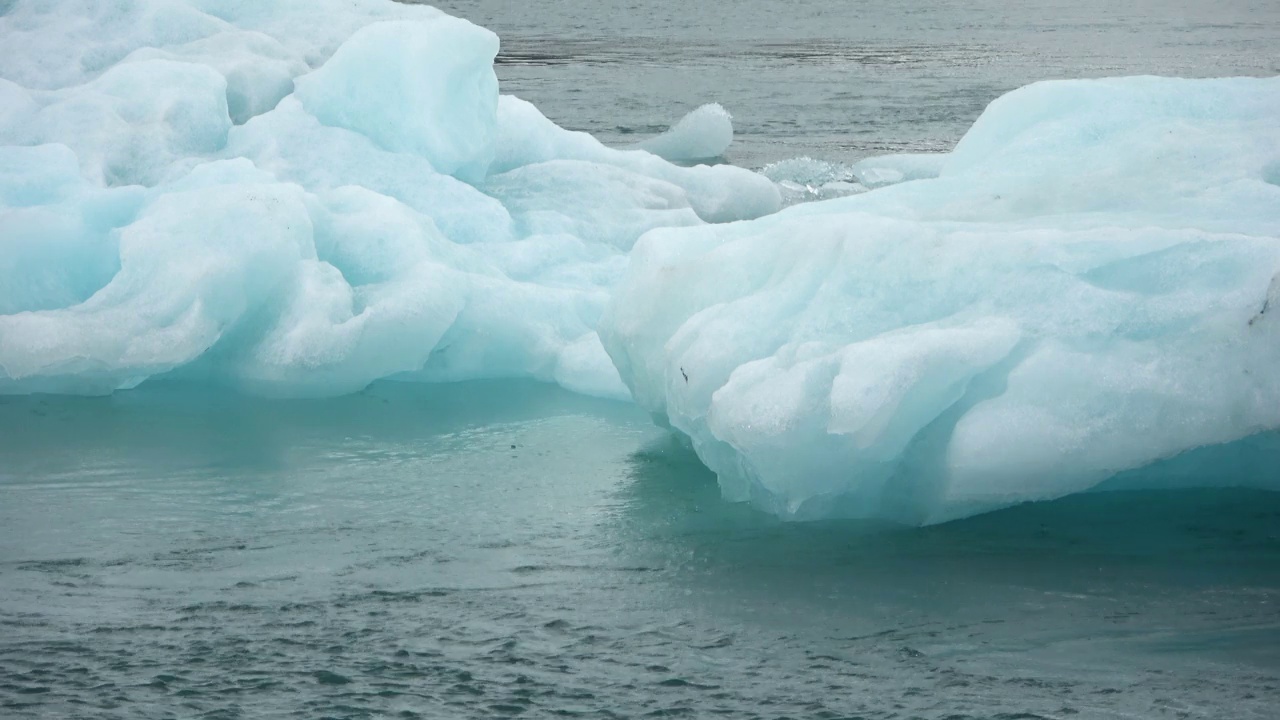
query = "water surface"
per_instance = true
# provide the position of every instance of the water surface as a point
(840, 80)
(498, 549)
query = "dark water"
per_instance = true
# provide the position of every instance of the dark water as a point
(498, 549)
(842, 79)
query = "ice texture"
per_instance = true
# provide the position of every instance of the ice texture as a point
(298, 198)
(805, 179)
(1087, 287)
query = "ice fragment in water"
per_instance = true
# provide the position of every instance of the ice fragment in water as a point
(704, 134)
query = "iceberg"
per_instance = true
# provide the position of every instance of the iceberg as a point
(1084, 289)
(299, 198)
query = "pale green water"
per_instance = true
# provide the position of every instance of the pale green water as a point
(494, 549)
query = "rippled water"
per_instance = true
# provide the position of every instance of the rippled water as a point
(495, 549)
(842, 79)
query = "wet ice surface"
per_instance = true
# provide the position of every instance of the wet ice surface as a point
(494, 549)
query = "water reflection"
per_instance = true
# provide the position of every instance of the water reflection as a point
(1175, 537)
(1123, 579)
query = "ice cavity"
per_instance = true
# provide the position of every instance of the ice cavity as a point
(1085, 287)
(704, 134)
(297, 198)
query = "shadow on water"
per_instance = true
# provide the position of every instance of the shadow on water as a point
(1187, 573)
(1215, 531)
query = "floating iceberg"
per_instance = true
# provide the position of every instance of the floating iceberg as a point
(298, 198)
(1089, 285)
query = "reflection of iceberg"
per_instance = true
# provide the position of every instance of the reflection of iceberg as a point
(298, 199)
(1079, 292)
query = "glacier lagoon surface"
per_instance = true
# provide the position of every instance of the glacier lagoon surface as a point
(212, 202)
(495, 549)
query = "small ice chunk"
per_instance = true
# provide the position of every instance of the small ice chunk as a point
(704, 134)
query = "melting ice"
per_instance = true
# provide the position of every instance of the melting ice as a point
(298, 198)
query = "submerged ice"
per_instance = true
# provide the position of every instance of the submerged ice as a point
(298, 198)
(1085, 286)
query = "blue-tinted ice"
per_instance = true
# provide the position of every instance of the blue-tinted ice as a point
(300, 198)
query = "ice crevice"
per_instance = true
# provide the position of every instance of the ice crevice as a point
(300, 198)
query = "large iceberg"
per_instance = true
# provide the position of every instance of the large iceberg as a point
(298, 198)
(1088, 286)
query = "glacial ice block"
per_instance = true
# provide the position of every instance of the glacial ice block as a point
(301, 197)
(1087, 287)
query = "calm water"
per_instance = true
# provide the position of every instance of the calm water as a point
(488, 550)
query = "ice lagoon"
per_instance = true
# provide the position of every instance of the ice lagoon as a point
(215, 215)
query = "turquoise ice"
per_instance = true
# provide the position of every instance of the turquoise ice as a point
(1087, 286)
(301, 199)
